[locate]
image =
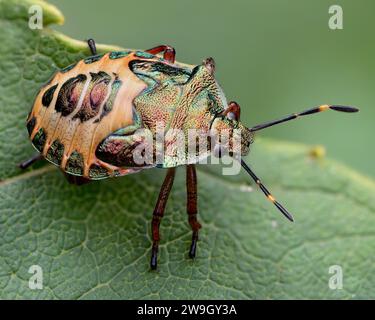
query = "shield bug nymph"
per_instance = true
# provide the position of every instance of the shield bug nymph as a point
(86, 118)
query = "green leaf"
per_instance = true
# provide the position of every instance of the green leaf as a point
(94, 241)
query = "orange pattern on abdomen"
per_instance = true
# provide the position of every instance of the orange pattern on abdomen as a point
(82, 129)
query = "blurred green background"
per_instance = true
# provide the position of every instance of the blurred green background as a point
(274, 57)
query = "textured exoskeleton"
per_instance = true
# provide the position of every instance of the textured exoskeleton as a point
(87, 118)
(122, 112)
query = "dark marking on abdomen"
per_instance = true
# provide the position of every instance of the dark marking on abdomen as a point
(119, 152)
(55, 152)
(48, 96)
(68, 68)
(69, 95)
(94, 96)
(145, 55)
(31, 125)
(107, 108)
(93, 59)
(97, 172)
(39, 140)
(75, 164)
(118, 54)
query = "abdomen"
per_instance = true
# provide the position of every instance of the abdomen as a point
(79, 108)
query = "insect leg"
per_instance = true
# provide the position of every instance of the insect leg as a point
(210, 64)
(27, 163)
(92, 46)
(192, 210)
(169, 52)
(159, 213)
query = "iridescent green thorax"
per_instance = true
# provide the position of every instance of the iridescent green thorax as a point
(185, 99)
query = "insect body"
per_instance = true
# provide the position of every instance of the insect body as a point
(87, 120)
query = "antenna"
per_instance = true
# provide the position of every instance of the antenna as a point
(266, 192)
(321, 108)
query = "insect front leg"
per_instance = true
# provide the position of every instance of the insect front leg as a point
(92, 46)
(159, 213)
(192, 206)
(169, 52)
(27, 163)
